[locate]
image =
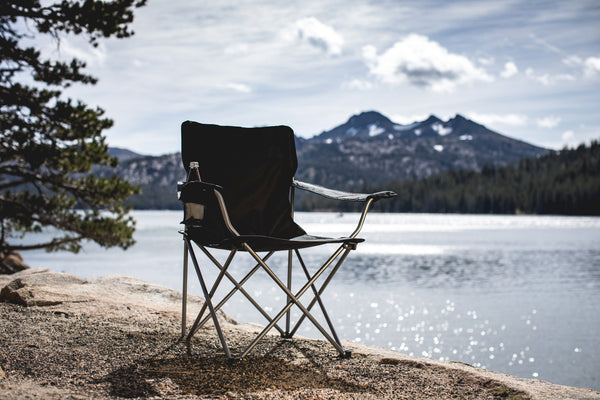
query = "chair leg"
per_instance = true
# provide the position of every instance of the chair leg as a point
(184, 291)
(288, 315)
(197, 324)
(208, 301)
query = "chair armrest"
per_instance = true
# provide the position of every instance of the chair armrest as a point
(341, 195)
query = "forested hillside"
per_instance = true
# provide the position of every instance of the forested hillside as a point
(565, 182)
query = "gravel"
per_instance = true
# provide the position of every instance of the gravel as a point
(107, 347)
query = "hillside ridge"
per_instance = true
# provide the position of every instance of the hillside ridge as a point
(367, 150)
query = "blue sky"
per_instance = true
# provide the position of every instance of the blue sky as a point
(527, 69)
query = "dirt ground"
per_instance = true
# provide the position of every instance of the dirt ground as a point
(62, 337)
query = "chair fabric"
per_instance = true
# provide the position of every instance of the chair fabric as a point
(255, 168)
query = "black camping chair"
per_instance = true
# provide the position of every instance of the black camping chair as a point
(244, 202)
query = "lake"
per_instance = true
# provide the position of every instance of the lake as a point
(515, 294)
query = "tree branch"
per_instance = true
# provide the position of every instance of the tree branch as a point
(51, 244)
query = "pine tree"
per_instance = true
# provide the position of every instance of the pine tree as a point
(49, 142)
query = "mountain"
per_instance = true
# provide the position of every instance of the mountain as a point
(123, 154)
(367, 150)
(157, 175)
(371, 149)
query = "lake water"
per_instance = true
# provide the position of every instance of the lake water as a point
(516, 294)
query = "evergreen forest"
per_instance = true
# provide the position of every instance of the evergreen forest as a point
(564, 182)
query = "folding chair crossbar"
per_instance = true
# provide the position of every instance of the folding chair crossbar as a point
(320, 291)
(318, 298)
(238, 286)
(197, 324)
(292, 299)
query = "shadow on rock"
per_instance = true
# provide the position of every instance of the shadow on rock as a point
(215, 376)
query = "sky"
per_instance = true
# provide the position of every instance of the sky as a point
(527, 69)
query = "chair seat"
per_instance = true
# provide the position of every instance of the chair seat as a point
(268, 243)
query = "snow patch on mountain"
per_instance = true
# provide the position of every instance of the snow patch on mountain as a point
(440, 129)
(375, 130)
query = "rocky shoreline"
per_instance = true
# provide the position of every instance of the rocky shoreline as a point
(63, 337)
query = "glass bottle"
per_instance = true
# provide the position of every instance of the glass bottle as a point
(193, 211)
(194, 172)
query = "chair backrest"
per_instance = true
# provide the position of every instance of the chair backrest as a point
(255, 168)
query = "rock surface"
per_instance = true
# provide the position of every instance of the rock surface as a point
(118, 337)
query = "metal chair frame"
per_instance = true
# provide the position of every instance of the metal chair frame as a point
(293, 299)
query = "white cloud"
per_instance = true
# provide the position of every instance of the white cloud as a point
(369, 52)
(357, 84)
(317, 34)
(236, 49)
(564, 77)
(568, 135)
(572, 61)
(487, 61)
(568, 138)
(592, 66)
(76, 48)
(547, 79)
(238, 87)
(504, 119)
(545, 44)
(423, 63)
(548, 122)
(408, 119)
(543, 79)
(510, 69)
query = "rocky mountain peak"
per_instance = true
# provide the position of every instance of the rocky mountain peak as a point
(367, 118)
(432, 120)
(368, 149)
(363, 125)
(123, 154)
